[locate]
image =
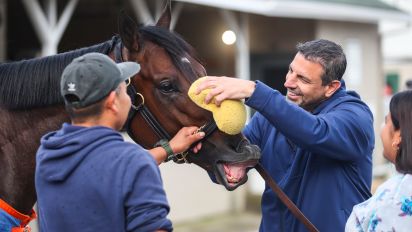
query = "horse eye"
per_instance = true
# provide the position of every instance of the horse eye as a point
(166, 86)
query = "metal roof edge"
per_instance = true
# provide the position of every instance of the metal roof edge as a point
(308, 10)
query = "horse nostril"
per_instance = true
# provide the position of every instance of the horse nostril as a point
(241, 145)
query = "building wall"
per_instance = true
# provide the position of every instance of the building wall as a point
(273, 46)
(193, 195)
(270, 35)
(364, 73)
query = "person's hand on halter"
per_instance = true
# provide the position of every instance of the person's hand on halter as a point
(185, 138)
(181, 142)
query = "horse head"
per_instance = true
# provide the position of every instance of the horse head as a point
(168, 68)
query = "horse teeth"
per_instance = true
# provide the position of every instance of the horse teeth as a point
(232, 179)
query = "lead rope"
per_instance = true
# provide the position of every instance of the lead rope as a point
(285, 199)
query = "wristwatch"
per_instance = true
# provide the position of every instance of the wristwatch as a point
(165, 144)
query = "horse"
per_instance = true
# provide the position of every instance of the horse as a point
(31, 105)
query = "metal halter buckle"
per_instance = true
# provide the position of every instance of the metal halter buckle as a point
(181, 157)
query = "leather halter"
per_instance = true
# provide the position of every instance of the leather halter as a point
(150, 119)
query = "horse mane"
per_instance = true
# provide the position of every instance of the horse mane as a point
(176, 47)
(35, 82)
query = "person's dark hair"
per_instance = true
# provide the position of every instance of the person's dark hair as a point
(81, 115)
(328, 54)
(408, 84)
(401, 114)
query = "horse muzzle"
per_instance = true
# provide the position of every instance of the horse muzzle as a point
(228, 164)
(231, 171)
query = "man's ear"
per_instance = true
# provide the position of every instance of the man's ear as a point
(332, 87)
(111, 103)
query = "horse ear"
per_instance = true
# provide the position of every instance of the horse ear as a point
(128, 31)
(166, 17)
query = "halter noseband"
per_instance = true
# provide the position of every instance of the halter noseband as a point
(150, 119)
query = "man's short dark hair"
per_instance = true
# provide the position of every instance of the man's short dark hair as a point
(409, 84)
(328, 54)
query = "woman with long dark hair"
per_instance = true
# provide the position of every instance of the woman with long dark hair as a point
(390, 208)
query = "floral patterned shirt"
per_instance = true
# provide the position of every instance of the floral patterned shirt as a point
(389, 209)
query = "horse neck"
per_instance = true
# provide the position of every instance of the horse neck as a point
(20, 138)
(24, 120)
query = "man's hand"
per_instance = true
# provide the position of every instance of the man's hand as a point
(222, 88)
(179, 143)
(185, 138)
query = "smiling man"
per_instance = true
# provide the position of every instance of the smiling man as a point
(316, 143)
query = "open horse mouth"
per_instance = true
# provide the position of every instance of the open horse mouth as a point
(234, 174)
(227, 165)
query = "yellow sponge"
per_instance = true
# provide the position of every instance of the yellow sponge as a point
(230, 116)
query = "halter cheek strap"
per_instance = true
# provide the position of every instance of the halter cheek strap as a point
(23, 218)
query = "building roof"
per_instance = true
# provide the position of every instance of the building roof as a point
(371, 11)
(364, 3)
(396, 37)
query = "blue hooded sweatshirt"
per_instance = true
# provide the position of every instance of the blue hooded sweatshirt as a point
(90, 179)
(322, 160)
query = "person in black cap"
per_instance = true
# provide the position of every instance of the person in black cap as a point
(87, 177)
(408, 84)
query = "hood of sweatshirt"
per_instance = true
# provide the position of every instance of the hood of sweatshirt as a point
(62, 151)
(341, 95)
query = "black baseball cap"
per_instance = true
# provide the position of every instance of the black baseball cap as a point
(91, 77)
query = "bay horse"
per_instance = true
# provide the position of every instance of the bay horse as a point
(31, 105)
